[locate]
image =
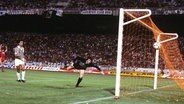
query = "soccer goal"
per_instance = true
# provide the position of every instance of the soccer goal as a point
(140, 43)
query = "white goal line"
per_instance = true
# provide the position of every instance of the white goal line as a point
(111, 97)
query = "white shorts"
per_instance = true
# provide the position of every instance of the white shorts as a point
(19, 62)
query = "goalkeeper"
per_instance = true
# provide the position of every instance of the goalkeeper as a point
(81, 64)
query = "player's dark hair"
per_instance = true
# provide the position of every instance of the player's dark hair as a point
(19, 41)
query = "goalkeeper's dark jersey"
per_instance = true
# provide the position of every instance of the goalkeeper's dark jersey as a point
(80, 63)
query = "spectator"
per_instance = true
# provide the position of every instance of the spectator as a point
(60, 48)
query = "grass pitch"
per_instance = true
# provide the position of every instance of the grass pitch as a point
(59, 88)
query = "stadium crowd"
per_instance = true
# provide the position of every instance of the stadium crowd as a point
(62, 48)
(23, 4)
(126, 3)
(86, 4)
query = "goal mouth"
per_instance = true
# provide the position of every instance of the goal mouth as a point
(136, 37)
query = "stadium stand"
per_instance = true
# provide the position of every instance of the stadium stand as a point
(158, 7)
(125, 3)
(61, 48)
(24, 4)
(52, 48)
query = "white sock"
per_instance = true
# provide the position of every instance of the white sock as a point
(23, 75)
(18, 76)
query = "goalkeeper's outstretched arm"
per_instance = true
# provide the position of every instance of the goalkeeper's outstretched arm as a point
(96, 66)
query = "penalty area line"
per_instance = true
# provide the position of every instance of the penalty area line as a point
(111, 97)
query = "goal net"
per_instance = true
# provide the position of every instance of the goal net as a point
(136, 55)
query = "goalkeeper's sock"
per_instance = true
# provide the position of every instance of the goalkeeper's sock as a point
(78, 82)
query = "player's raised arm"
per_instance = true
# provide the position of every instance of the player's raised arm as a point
(6, 48)
(0, 47)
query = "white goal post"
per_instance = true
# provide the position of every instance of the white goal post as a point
(157, 47)
(120, 42)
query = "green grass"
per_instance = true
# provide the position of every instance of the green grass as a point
(58, 88)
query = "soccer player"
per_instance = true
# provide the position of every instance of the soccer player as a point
(20, 62)
(81, 64)
(3, 50)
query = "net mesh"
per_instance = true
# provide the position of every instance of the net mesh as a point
(138, 52)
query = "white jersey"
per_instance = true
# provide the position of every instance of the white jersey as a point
(19, 56)
(19, 51)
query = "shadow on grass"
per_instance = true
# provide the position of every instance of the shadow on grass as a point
(110, 90)
(61, 87)
(68, 86)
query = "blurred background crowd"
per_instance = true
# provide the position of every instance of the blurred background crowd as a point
(26, 4)
(62, 48)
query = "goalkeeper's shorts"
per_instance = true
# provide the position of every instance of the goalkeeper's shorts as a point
(19, 62)
(79, 67)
